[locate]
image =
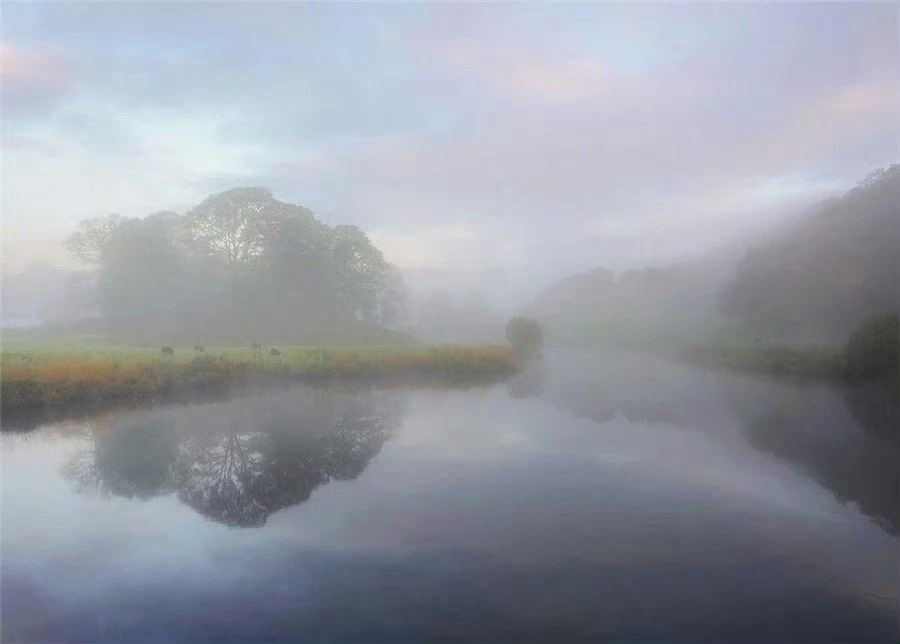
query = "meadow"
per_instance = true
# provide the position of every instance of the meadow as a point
(57, 372)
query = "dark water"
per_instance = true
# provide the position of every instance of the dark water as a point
(602, 497)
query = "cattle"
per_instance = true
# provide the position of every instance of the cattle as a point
(167, 351)
(199, 348)
(274, 352)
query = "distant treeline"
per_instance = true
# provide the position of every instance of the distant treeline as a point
(815, 281)
(240, 265)
(830, 272)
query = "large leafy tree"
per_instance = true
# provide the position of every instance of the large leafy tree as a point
(231, 226)
(358, 270)
(142, 277)
(241, 263)
(93, 236)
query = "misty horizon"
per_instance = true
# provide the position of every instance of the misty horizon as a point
(549, 138)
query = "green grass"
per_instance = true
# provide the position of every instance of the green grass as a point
(781, 359)
(30, 348)
(55, 372)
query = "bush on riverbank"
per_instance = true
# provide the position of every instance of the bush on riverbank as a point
(526, 336)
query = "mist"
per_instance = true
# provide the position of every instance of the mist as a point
(450, 321)
(486, 152)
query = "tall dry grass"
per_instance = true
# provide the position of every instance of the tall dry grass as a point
(40, 381)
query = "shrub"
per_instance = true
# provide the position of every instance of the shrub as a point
(526, 337)
(874, 348)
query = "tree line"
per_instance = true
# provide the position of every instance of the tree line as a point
(816, 279)
(830, 272)
(239, 265)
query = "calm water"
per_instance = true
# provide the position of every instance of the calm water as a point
(602, 497)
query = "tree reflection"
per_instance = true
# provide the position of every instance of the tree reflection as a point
(876, 407)
(812, 428)
(219, 477)
(641, 388)
(240, 461)
(529, 382)
(133, 461)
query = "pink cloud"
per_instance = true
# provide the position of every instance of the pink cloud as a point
(32, 80)
(519, 73)
(31, 67)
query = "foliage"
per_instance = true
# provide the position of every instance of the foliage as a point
(231, 226)
(90, 241)
(874, 348)
(526, 337)
(821, 278)
(241, 263)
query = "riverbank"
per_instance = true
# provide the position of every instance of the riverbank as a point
(35, 379)
(871, 353)
(819, 361)
(827, 362)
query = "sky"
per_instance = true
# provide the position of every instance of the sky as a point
(542, 139)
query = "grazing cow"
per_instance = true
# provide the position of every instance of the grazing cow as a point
(167, 351)
(274, 352)
(199, 348)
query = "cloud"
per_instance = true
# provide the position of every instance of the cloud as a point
(576, 161)
(32, 80)
(31, 68)
(520, 73)
(558, 137)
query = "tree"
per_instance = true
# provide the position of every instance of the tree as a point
(292, 282)
(92, 239)
(358, 269)
(239, 264)
(829, 272)
(231, 226)
(393, 299)
(142, 278)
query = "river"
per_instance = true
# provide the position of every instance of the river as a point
(595, 497)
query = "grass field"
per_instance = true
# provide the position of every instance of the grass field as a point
(295, 357)
(55, 372)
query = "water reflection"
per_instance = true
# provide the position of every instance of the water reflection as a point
(529, 382)
(489, 518)
(640, 387)
(876, 407)
(240, 461)
(844, 438)
(132, 460)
